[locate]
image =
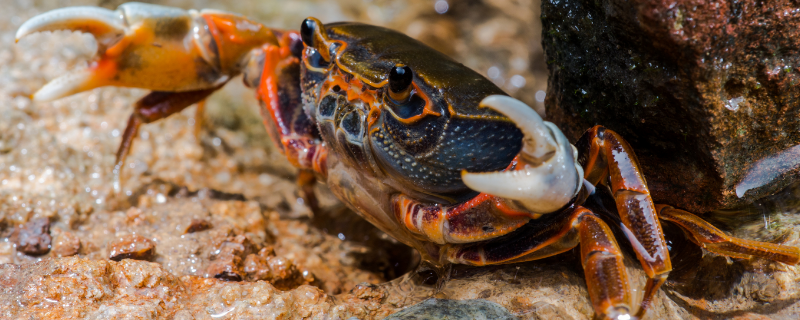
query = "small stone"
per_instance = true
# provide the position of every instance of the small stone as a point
(285, 274)
(66, 244)
(198, 225)
(34, 237)
(227, 263)
(256, 268)
(226, 267)
(132, 247)
(453, 309)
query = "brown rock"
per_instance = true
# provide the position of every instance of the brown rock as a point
(705, 91)
(66, 244)
(132, 247)
(227, 267)
(285, 274)
(33, 237)
(198, 225)
(227, 262)
(256, 268)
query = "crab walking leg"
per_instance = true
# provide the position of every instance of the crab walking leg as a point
(606, 276)
(480, 218)
(278, 88)
(605, 155)
(154, 106)
(714, 240)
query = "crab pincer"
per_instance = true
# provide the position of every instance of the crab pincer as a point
(182, 56)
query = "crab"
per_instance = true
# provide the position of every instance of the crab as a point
(424, 148)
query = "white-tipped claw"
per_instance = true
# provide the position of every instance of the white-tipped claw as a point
(107, 26)
(66, 85)
(548, 175)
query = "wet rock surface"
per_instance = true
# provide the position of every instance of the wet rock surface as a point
(231, 237)
(705, 91)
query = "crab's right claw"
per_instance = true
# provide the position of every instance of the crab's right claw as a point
(153, 47)
(547, 175)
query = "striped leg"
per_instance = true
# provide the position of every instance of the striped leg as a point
(606, 277)
(483, 217)
(712, 239)
(607, 158)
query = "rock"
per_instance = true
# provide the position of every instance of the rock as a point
(198, 225)
(66, 244)
(71, 288)
(33, 237)
(705, 92)
(453, 309)
(545, 311)
(226, 264)
(132, 247)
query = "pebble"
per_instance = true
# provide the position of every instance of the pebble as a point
(34, 237)
(132, 247)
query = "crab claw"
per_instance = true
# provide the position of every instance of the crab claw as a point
(152, 47)
(547, 176)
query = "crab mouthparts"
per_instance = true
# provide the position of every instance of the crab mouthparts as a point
(547, 176)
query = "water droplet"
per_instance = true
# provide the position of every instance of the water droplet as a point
(441, 6)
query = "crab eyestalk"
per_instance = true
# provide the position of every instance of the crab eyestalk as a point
(152, 47)
(547, 175)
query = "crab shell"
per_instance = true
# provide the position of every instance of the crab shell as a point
(421, 147)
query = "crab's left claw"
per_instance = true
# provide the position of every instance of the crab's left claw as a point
(547, 175)
(152, 47)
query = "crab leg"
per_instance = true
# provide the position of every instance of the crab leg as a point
(606, 276)
(483, 217)
(712, 239)
(154, 106)
(278, 89)
(605, 155)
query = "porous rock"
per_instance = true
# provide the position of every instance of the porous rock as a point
(705, 91)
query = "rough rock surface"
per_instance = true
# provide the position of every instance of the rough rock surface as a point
(222, 205)
(705, 91)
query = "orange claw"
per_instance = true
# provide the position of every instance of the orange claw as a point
(152, 47)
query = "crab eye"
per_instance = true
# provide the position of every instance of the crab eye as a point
(307, 31)
(400, 79)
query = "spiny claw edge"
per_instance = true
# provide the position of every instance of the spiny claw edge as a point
(547, 177)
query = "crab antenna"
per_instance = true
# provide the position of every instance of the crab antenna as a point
(547, 176)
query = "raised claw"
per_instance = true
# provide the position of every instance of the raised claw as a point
(152, 47)
(547, 176)
(106, 25)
